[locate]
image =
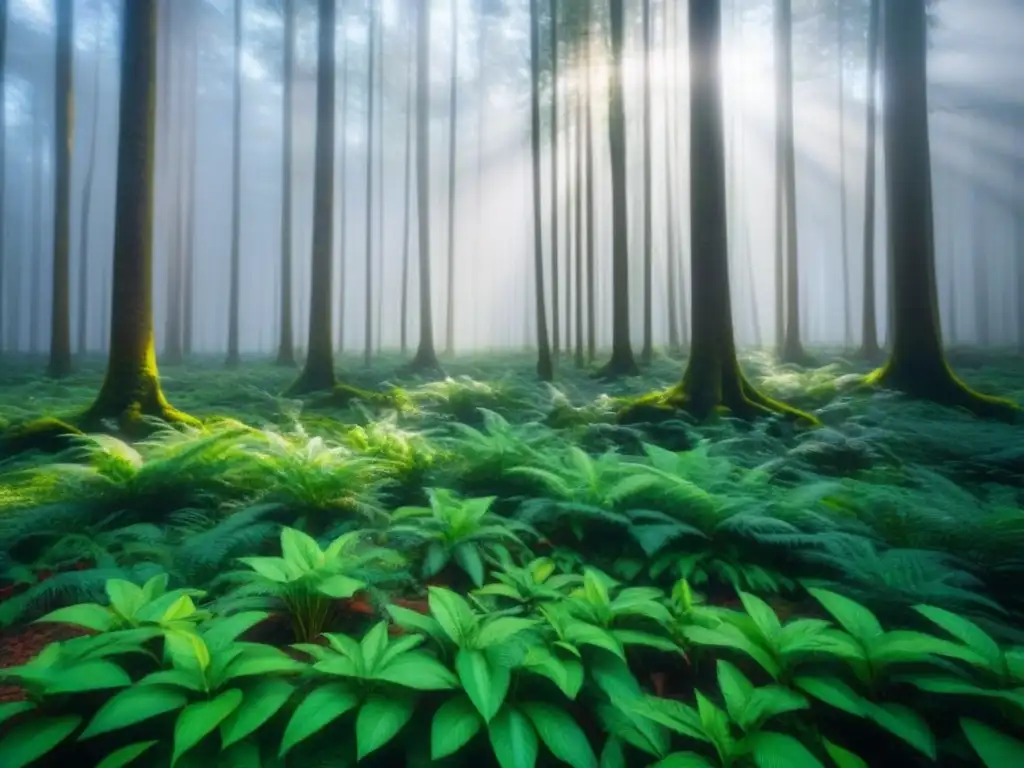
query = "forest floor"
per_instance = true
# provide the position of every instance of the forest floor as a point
(893, 503)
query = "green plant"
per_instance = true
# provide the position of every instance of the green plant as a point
(461, 530)
(528, 585)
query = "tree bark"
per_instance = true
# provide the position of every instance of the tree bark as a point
(87, 192)
(869, 333)
(343, 183)
(371, 63)
(556, 313)
(131, 389)
(843, 213)
(578, 190)
(36, 275)
(188, 258)
(672, 247)
(648, 346)
(234, 291)
(407, 219)
(286, 342)
(622, 362)
(588, 42)
(453, 133)
(3, 170)
(545, 365)
(917, 363)
(318, 369)
(60, 306)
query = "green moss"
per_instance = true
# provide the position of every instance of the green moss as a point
(944, 387)
(47, 435)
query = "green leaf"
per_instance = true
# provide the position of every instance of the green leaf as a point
(612, 754)
(567, 674)
(736, 689)
(339, 587)
(201, 718)
(767, 702)
(581, 633)
(373, 645)
(301, 550)
(222, 631)
(835, 693)
(854, 617)
(261, 703)
(262, 664)
(412, 620)
(995, 748)
(842, 757)
(908, 725)
(190, 680)
(452, 613)
(467, 555)
(614, 677)
(29, 741)
(778, 750)
(630, 637)
(271, 568)
(317, 709)
(967, 632)
(728, 636)
(485, 683)
(500, 630)
(762, 615)
(513, 739)
(89, 676)
(89, 615)
(133, 705)
(435, 559)
(418, 670)
(454, 725)
(379, 721)
(561, 734)
(125, 598)
(125, 755)
(11, 709)
(684, 760)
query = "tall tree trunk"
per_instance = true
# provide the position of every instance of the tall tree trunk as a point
(426, 357)
(3, 168)
(792, 348)
(648, 348)
(87, 192)
(578, 194)
(63, 131)
(672, 247)
(36, 276)
(622, 362)
(407, 218)
(370, 149)
(234, 292)
(588, 42)
(843, 213)
(545, 365)
(481, 129)
(869, 333)
(453, 131)
(917, 363)
(713, 377)
(170, 116)
(286, 341)
(190, 125)
(556, 314)
(382, 245)
(131, 389)
(318, 370)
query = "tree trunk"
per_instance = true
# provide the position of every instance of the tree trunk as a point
(622, 362)
(371, 63)
(343, 184)
(578, 193)
(87, 191)
(286, 342)
(60, 306)
(545, 365)
(869, 334)
(917, 363)
(556, 313)
(131, 389)
(648, 348)
(453, 132)
(174, 152)
(188, 258)
(407, 219)
(318, 369)
(3, 169)
(713, 378)
(426, 357)
(382, 245)
(234, 299)
(843, 217)
(588, 42)
(672, 247)
(36, 276)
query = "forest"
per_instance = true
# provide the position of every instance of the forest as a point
(601, 383)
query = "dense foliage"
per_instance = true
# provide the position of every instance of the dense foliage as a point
(475, 571)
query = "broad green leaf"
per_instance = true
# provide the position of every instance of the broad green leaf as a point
(612, 754)
(317, 709)
(684, 760)
(271, 568)
(615, 678)
(262, 664)
(567, 674)
(995, 748)
(767, 702)
(728, 636)
(155, 586)
(500, 630)
(485, 683)
(762, 615)
(561, 734)
(412, 620)
(201, 718)
(736, 689)
(637, 730)
(581, 633)
(498, 590)
(779, 750)
(594, 587)
(854, 617)
(89, 676)
(181, 608)
(89, 615)
(908, 646)
(630, 637)
(452, 613)
(126, 755)
(373, 645)
(455, 723)
(379, 721)
(301, 549)
(29, 741)
(467, 555)
(187, 649)
(220, 632)
(260, 704)
(133, 705)
(339, 587)
(190, 680)
(835, 693)
(905, 723)
(11, 709)
(714, 722)
(842, 757)
(541, 569)
(967, 632)
(513, 739)
(399, 647)
(418, 670)
(125, 598)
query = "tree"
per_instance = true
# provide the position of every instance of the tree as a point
(588, 43)
(556, 313)
(843, 227)
(622, 362)
(370, 148)
(713, 378)
(286, 342)
(869, 334)
(545, 364)
(87, 191)
(917, 363)
(342, 184)
(131, 389)
(318, 370)
(425, 358)
(407, 218)
(647, 351)
(3, 154)
(453, 134)
(671, 252)
(234, 297)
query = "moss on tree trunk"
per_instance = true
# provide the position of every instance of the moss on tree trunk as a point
(917, 362)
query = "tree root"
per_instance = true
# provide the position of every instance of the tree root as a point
(944, 387)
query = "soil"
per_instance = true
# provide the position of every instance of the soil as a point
(21, 645)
